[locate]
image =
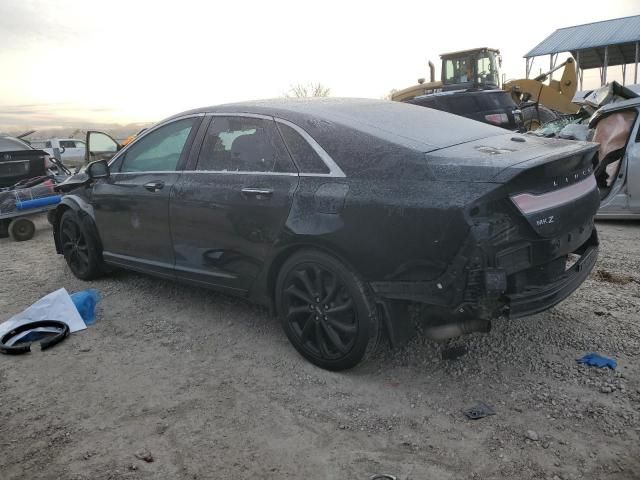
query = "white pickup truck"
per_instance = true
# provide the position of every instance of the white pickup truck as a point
(71, 149)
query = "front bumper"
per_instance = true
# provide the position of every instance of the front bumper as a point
(537, 299)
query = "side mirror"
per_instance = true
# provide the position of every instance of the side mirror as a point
(98, 169)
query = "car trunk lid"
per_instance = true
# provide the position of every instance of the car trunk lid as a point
(549, 182)
(20, 165)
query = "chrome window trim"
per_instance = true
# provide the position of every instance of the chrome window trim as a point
(249, 115)
(334, 169)
(227, 172)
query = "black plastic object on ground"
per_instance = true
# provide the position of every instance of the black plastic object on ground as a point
(26, 347)
(479, 410)
(454, 352)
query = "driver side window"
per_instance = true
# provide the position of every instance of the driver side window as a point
(160, 150)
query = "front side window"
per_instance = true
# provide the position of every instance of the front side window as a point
(458, 70)
(160, 150)
(67, 144)
(243, 144)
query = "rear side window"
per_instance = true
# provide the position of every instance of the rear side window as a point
(243, 144)
(305, 157)
(67, 144)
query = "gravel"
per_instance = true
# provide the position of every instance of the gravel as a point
(209, 387)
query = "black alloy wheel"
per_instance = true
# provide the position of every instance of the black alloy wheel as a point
(78, 247)
(325, 311)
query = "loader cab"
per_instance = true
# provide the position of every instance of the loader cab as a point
(477, 69)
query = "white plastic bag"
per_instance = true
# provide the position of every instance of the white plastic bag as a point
(54, 306)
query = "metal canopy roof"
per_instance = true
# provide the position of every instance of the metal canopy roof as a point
(619, 34)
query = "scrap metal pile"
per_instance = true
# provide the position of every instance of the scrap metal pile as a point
(607, 116)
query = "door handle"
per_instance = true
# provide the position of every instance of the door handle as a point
(154, 186)
(259, 193)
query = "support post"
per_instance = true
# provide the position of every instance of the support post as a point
(552, 64)
(624, 74)
(605, 66)
(578, 69)
(635, 75)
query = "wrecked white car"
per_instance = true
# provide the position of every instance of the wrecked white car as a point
(610, 117)
(617, 130)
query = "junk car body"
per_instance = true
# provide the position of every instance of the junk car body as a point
(340, 213)
(616, 127)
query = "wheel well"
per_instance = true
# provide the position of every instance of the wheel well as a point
(58, 212)
(284, 255)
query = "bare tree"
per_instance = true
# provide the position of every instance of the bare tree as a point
(389, 95)
(302, 90)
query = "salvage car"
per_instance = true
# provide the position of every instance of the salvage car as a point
(340, 214)
(616, 127)
(20, 161)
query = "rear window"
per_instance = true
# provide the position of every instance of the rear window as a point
(12, 144)
(305, 157)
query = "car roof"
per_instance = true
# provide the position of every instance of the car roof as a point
(412, 126)
(610, 108)
(621, 105)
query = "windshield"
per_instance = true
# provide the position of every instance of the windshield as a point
(8, 144)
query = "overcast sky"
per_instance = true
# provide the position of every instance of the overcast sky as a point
(66, 61)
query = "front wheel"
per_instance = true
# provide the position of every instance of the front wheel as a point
(79, 247)
(326, 311)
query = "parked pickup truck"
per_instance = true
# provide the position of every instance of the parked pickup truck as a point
(71, 150)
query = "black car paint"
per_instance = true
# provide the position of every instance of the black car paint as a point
(18, 165)
(475, 104)
(422, 212)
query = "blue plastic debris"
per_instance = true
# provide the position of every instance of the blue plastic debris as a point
(85, 302)
(595, 360)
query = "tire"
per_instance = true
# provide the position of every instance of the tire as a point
(533, 117)
(80, 247)
(51, 217)
(21, 229)
(326, 310)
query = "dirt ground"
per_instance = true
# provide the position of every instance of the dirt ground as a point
(207, 386)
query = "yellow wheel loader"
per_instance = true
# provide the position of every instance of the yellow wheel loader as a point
(470, 86)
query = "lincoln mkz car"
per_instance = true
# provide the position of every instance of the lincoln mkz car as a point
(339, 214)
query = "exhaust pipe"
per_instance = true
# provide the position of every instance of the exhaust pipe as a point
(432, 71)
(457, 329)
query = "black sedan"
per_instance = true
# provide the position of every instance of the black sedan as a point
(339, 214)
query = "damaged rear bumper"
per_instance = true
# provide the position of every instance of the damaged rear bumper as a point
(537, 299)
(491, 290)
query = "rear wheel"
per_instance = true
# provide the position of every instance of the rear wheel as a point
(534, 116)
(79, 247)
(326, 311)
(21, 229)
